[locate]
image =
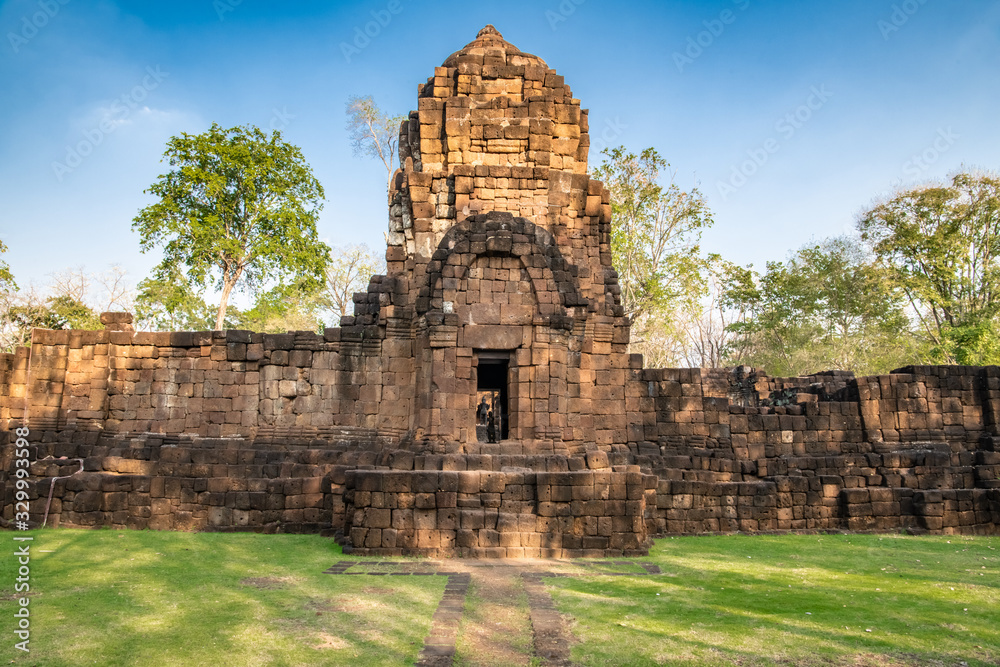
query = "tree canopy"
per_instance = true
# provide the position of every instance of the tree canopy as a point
(67, 306)
(940, 244)
(238, 206)
(166, 301)
(828, 306)
(655, 230)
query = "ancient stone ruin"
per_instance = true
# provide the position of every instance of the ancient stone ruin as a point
(499, 292)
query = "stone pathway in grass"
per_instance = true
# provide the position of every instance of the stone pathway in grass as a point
(495, 612)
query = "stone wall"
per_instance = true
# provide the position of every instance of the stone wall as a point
(211, 384)
(507, 514)
(831, 413)
(169, 483)
(13, 385)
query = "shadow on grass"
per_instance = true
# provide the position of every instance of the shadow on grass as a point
(144, 597)
(807, 600)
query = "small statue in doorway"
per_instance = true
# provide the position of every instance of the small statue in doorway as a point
(482, 411)
(491, 427)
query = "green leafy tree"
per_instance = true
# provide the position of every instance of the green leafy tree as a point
(238, 206)
(829, 306)
(772, 334)
(692, 331)
(284, 309)
(29, 311)
(941, 245)
(10, 334)
(373, 133)
(70, 313)
(655, 230)
(71, 304)
(167, 302)
(21, 313)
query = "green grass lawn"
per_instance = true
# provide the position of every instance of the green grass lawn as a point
(108, 597)
(794, 600)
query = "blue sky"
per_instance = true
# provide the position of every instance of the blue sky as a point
(790, 116)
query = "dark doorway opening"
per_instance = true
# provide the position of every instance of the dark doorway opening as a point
(491, 399)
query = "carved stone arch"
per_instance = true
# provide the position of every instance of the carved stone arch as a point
(503, 234)
(475, 271)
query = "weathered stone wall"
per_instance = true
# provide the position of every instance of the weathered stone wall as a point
(296, 480)
(842, 457)
(224, 384)
(170, 483)
(13, 385)
(212, 384)
(815, 503)
(509, 514)
(831, 413)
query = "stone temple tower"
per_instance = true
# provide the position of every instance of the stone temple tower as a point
(499, 263)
